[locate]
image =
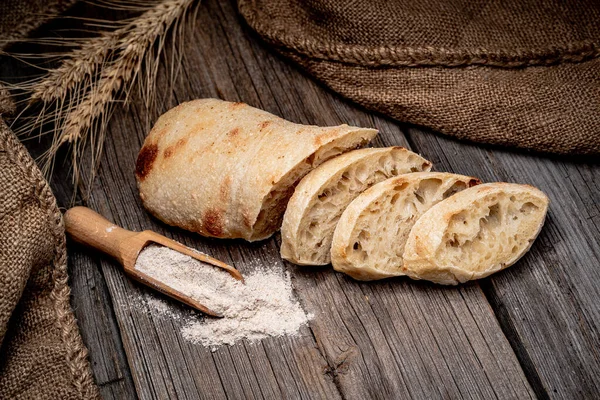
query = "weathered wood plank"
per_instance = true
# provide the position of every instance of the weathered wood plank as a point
(378, 340)
(96, 320)
(363, 349)
(399, 338)
(547, 303)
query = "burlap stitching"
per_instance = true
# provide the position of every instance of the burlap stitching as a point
(422, 56)
(77, 355)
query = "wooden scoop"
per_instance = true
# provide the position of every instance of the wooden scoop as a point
(90, 228)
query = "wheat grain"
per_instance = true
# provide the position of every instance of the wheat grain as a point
(133, 47)
(84, 62)
(81, 64)
(83, 89)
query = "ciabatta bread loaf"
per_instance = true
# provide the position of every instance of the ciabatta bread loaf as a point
(320, 198)
(369, 239)
(475, 233)
(227, 169)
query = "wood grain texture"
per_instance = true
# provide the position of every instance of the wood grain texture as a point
(353, 348)
(93, 309)
(529, 331)
(547, 303)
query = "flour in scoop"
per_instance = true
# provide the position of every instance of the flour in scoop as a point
(262, 306)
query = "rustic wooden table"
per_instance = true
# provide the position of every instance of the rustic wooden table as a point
(530, 331)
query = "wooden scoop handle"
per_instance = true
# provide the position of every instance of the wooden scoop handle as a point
(92, 229)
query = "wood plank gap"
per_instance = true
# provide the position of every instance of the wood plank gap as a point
(128, 376)
(412, 144)
(485, 337)
(119, 343)
(471, 343)
(400, 365)
(338, 277)
(453, 347)
(332, 370)
(507, 326)
(250, 74)
(413, 335)
(404, 368)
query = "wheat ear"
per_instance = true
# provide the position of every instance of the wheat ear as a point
(84, 87)
(82, 63)
(133, 47)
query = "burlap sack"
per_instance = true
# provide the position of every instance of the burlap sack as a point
(519, 73)
(19, 17)
(42, 355)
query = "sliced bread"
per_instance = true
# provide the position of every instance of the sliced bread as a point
(369, 239)
(475, 233)
(320, 198)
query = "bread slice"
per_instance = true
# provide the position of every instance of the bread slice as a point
(475, 233)
(320, 198)
(369, 239)
(227, 169)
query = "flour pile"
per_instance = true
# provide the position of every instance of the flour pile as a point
(263, 306)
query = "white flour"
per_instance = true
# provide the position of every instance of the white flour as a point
(158, 306)
(263, 306)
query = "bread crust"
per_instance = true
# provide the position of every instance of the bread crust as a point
(369, 239)
(321, 197)
(226, 169)
(475, 233)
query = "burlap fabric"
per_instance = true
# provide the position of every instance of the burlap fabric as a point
(522, 73)
(19, 17)
(42, 355)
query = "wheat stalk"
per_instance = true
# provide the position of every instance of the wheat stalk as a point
(142, 33)
(79, 94)
(82, 63)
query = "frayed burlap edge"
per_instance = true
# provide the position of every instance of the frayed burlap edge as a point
(397, 56)
(77, 354)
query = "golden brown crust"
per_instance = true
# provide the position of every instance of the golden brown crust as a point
(145, 160)
(225, 169)
(212, 222)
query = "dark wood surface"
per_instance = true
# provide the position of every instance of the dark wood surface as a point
(530, 331)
